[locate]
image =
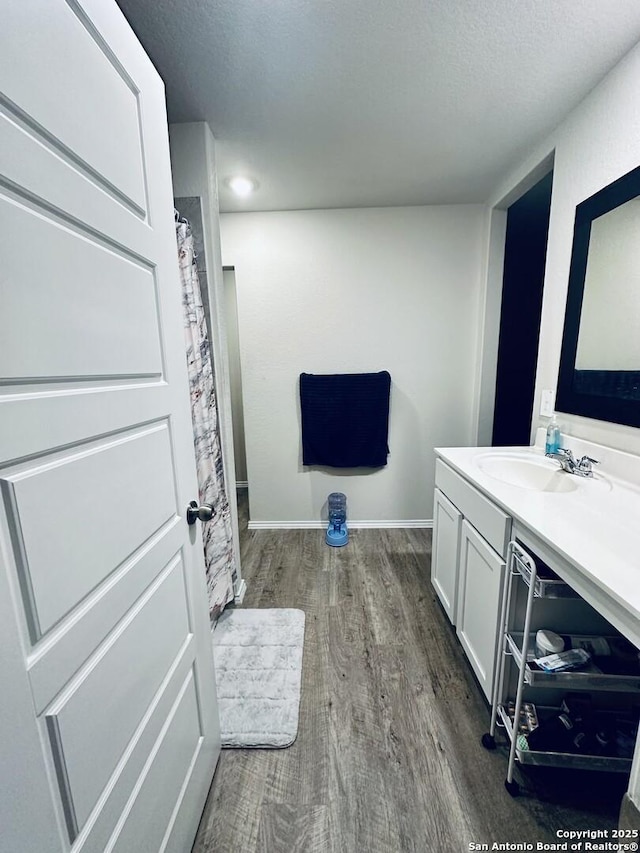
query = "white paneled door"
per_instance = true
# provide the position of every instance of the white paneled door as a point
(108, 719)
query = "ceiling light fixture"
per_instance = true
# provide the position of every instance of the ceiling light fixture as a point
(242, 186)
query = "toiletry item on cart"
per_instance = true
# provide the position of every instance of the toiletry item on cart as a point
(554, 734)
(548, 643)
(559, 732)
(562, 661)
(528, 716)
(615, 655)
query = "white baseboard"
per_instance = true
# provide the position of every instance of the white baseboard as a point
(352, 525)
(240, 591)
(398, 523)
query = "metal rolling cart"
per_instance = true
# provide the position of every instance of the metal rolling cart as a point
(522, 567)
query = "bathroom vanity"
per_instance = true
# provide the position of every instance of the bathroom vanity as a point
(471, 535)
(586, 529)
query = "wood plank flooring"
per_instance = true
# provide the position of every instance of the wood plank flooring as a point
(388, 756)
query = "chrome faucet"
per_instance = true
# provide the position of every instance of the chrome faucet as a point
(582, 467)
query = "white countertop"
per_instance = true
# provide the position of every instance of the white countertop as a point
(595, 528)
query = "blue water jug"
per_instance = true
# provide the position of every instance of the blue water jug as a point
(337, 533)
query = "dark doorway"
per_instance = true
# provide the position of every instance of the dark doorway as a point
(524, 259)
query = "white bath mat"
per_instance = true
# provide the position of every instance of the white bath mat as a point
(258, 661)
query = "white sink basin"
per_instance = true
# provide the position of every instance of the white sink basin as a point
(527, 471)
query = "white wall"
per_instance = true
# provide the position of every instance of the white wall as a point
(235, 375)
(194, 174)
(597, 143)
(347, 291)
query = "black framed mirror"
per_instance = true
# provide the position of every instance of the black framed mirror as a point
(599, 374)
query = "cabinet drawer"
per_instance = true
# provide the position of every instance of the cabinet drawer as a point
(485, 516)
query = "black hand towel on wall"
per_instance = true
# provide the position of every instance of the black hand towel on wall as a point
(345, 419)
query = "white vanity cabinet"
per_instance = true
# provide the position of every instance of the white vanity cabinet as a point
(480, 583)
(445, 554)
(470, 539)
(586, 532)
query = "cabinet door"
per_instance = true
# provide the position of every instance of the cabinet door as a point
(446, 551)
(479, 595)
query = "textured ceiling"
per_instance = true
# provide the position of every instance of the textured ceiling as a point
(358, 103)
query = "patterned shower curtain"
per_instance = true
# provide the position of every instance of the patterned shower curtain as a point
(217, 534)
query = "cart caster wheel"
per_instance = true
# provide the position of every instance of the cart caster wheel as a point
(512, 787)
(488, 741)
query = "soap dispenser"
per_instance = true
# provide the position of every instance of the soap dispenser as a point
(552, 443)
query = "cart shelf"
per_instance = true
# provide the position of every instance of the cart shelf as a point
(590, 677)
(546, 583)
(542, 583)
(571, 760)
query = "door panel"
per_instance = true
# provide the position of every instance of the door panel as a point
(98, 833)
(122, 490)
(69, 643)
(34, 164)
(149, 817)
(114, 689)
(107, 666)
(108, 297)
(82, 68)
